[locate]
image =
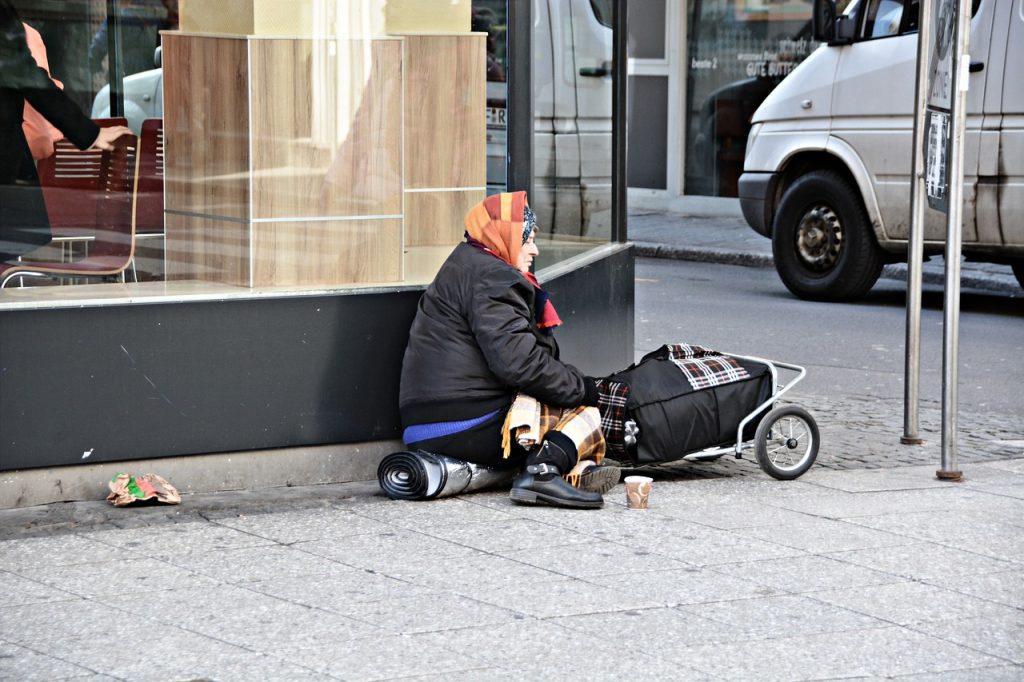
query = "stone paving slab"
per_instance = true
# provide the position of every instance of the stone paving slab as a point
(1005, 588)
(970, 531)
(252, 564)
(850, 574)
(686, 586)
(18, 591)
(21, 663)
(1001, 636)
(551, 650)
(339, 592)
(113, 578)
(924, 560)
(807, 574)
(911, 603)
(880, 652)
(290, 527)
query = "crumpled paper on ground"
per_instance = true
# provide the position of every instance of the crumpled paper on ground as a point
(126, 489)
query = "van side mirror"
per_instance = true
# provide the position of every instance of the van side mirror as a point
(828, 26)
(158, 57)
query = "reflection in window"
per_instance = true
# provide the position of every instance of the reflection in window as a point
(739, 51)
(298, 163)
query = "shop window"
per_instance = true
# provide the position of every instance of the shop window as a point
(311, 146)
(739, 50)
(572, 143)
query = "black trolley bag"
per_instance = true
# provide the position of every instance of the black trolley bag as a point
(681, 400)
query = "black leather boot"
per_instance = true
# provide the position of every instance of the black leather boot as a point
(542, 483)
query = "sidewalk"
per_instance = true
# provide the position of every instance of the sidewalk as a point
(866, 568)
(728, 239)
(863, 574)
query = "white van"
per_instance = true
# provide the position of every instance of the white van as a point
(828, 160)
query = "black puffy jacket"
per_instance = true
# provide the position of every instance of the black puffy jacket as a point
(474, 344)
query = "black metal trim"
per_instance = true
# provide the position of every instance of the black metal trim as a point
(519, 97)
(620, 82)
(115, 69)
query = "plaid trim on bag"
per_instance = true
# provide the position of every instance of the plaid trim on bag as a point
(709, 371)
(702, 366)
(684, 351)
(611, 402)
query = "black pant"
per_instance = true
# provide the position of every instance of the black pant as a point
(479, 445)
(482, 445)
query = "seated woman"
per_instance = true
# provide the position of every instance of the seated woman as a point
(483, 334)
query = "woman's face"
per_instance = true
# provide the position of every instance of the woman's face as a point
(528, 253)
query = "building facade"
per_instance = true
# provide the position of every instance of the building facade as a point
(701, 68)
(301, 171)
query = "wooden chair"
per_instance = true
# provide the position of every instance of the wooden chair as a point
(71, 182)
(149, 211)
(104, 215)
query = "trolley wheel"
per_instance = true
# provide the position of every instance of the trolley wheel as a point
(786, 442)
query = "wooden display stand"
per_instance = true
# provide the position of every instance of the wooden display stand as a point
(316, 161)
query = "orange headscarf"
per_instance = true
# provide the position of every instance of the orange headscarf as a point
(497, 223)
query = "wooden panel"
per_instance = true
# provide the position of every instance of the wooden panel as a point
(326, 128)
(216, 17)
(327, 252)
(436, 218)
(428, 16)
(206, 120)
(206, 249)
(445, 110)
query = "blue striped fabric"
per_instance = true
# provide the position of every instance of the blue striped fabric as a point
(421, 432)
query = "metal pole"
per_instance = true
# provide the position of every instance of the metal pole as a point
(954, 238)
(915, 249)
(519, 97)
(115, 69)
(619, 120)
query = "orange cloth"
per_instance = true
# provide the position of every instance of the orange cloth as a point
(38, 131)
(497, 223)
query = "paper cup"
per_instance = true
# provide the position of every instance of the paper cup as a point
(638, 490)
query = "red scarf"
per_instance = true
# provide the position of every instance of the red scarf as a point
(547, 316)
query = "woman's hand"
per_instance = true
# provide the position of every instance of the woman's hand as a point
(105, 140)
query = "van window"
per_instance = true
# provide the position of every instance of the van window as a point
(893, 17)
(603, 11)
(889, 18)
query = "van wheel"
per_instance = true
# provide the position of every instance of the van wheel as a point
(823, 247)
(1018, 272)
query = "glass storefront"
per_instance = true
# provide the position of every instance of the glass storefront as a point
(572, 144)
(301, 147)
(739, 50)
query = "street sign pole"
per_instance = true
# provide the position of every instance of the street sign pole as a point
(915, 249)
(954, 228)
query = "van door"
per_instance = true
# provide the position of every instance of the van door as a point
(1011, 136)
(873, 110)
(992, 65)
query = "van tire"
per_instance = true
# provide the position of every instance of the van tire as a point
(822, 243)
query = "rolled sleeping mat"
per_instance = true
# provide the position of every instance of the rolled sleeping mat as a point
(425, 476)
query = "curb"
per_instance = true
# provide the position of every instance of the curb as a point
(893, 271)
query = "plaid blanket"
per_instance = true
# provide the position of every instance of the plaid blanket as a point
(611, 402)
(702, 367)
(528, 420)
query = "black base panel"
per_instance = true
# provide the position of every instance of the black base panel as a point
(153, 380)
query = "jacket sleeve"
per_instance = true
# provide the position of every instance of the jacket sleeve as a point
(19, 72)
(501, 322)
